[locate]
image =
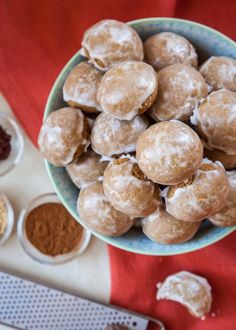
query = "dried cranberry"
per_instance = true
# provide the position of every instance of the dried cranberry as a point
(5, 144)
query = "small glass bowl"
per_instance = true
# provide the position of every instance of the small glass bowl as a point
(10, 220)
(17, 143)
(35, 253)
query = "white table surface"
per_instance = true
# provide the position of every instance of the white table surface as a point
(88, 275)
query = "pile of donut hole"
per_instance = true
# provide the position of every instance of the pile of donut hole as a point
(140, 119)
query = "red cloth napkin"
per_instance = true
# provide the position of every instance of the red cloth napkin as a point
(37, 38)
(134, 278)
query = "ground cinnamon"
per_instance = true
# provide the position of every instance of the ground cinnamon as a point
(52, 230)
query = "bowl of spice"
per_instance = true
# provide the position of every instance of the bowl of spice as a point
(6, 219)
(11, 143)
(48, 233)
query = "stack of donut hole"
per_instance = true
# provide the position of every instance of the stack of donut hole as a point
(148, 134)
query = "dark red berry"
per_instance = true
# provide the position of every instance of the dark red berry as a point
(5, 144)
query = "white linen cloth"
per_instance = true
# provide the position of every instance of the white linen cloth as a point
(87, 275)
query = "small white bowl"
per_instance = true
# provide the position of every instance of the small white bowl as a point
(34, 252)
(10, 220)
(17, 143)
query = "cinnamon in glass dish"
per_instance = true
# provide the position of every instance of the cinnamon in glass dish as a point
(49, 233)
(52, 230)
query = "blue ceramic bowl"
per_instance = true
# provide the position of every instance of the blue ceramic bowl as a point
(207, 42)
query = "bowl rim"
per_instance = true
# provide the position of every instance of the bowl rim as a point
(133, 22)
(109, 240)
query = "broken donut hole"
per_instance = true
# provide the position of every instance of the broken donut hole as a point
(188, 289)
(138, 173)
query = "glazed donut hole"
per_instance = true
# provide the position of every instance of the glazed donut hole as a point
(127, 89)
(220, 72)
(162, 228)
(227, 215)
(167, 48)
(80, 88)
(99, 215)
(64, 136)
(110, 42)
(201, 196)
(169, 152)
(87, 169)
(215, 121)
(228, 161)
(111, 136)
(190, 290)
(180, 89)
(128, 190)
(148, 121)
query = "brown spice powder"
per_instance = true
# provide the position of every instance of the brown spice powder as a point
(52, 230)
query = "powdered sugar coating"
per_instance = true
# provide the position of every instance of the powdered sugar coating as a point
(107, 159)
(216, 121)
(88, 168)
(161, 227)
(190, 290)
(169, 152)
(64, 136)
(109, 42)
(80, 87)
(167, 48)
(126, 192)
(180, 89)
(111, 136)
(227, 215)
(220, 72)
(204, 195)
(125, 88)
(98, 214)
